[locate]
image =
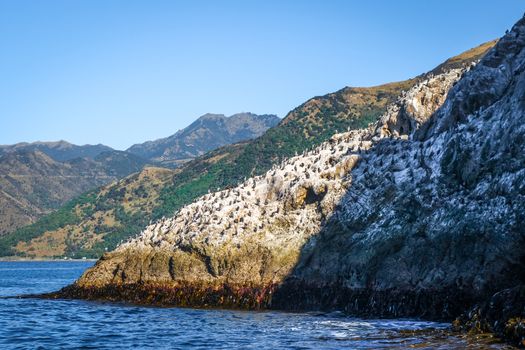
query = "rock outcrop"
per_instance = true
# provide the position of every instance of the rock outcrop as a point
(434, 225)
(253, 234)
(421, 214)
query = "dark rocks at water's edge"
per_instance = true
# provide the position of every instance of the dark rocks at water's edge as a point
(502, 314)
(438, 305)
(181, 295)
(420, 215)
(498, 315)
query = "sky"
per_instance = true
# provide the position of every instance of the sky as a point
(120, 72)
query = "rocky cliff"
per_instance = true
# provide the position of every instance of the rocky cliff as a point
(421, 214)
(432, 225)
(254, 234)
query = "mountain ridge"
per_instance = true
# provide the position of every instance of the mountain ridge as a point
(58, 150)
(95, 165)
(207, 132)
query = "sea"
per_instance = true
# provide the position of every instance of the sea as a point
(33, 323)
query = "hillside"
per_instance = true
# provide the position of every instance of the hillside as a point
(33, 184)
(39, 177)
(94, 220)
(208, 132)
(419, 215)
(305, 127)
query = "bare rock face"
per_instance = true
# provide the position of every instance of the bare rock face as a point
(251, 234)
(417, 105)
(422, 214)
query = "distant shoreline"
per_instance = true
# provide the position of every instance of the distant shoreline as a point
(11, 259)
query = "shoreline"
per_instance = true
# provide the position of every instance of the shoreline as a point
(10, 259)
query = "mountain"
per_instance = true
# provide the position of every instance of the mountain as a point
(126, 201)
(205, 134)
(60, 151)
(33, 184)
(87, 167)
(303, 128)
(419, 215)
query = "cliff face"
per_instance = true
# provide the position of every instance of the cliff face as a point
(434, 224)
(443, 209)
(421, 214)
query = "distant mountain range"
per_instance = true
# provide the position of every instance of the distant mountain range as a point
(60, 151)
(37, 178)
(206, 133)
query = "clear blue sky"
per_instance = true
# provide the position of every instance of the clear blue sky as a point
(122, 72)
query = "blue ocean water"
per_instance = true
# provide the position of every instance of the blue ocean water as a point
(71, 324)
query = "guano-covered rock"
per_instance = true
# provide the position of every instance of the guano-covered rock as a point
(422, 214)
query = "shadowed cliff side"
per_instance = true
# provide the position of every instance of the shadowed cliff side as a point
(433, 226)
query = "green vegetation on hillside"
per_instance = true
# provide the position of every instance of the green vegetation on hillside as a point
(303, 128)
(241, 161)
(64, 216)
